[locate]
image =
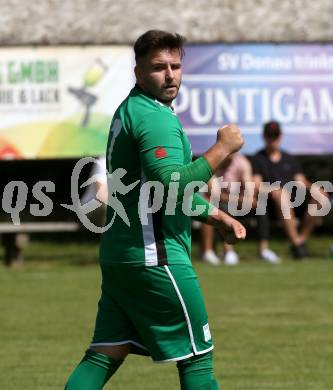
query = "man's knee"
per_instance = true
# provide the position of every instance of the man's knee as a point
(281, 198)
(115, 351)
(196, 373)
(92, 373)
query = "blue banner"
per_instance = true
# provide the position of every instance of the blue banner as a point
(249, 84)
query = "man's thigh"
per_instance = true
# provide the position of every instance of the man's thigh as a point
(166, 308)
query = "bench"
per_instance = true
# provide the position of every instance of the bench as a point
(15, 237)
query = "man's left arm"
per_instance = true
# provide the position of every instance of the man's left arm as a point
(316, 191)
(230, 229)
(301, 178)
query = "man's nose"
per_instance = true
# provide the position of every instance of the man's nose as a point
(169, 73)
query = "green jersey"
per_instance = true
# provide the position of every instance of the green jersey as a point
(145, 136)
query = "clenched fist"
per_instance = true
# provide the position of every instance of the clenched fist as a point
(229, 140)
(230, 137)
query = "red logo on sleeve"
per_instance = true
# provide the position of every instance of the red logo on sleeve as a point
(160, 152)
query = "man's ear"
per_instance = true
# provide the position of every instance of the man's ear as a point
(137, 73)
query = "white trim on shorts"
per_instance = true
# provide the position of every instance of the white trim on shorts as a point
(183, 357)
(119, 343)
(174, 359)
(188, 321)
(205, 350)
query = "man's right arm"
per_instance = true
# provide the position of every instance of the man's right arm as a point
(167, 138)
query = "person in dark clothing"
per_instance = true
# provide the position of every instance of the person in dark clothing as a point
(274, 165)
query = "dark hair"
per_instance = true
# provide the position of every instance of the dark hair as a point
(158, 39)
(272, 130)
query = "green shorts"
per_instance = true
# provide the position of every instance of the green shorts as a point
(158, 310)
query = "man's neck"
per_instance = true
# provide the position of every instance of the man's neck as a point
(166, 103)
(274, 155)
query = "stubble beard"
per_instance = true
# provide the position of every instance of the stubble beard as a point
(168, 100)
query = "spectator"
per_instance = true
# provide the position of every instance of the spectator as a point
(236, 168)
(273, 164)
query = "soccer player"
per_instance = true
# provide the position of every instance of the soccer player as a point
(151, 301)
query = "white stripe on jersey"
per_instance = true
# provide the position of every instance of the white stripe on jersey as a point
(116, 127)
(149, 236)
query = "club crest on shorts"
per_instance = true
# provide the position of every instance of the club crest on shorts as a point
(206, 332)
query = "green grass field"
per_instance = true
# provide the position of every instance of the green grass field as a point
(272, 325)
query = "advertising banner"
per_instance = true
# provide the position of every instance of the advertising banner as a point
(249, 84)
(58, 102)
